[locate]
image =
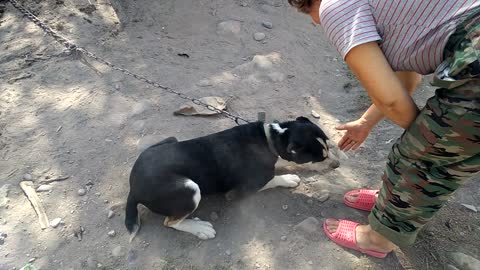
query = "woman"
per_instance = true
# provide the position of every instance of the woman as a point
(388, 44)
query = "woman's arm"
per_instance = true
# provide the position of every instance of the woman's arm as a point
(410, 81)
(385, 88)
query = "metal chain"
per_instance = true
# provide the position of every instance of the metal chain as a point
(72, 47)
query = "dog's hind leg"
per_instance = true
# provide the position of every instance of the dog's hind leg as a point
(202, 229)
(132, 219)
(286, 180)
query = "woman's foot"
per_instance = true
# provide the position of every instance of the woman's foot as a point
(363, 199)
(366, 237)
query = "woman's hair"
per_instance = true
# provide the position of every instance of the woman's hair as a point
(301, 5)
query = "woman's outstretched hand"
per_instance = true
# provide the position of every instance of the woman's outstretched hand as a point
(356, 133)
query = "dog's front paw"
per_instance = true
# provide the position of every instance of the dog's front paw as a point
(290, 180)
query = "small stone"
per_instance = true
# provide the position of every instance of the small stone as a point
(81, 192)
(315, 114)
(310, 262)
(259, 36)
(97, 194)
(213, 216)
(257, 265)
(112, 233)
(283, 238)
(267, 24)
(27, 177)
(44, 188)
(99, 265)
(228, 252)
(110, 213)
(323, 195)
(284, 207)
(117, 251)
(229, 27)
(32, 260)
(55, 222)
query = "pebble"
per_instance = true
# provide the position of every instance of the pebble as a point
(228, 252)
(117, 251)
(213, 216)
(267, 24)
(257, 265)
(112, 233)
(99, 265)
(27, 177)
(259, 36)
(323, 196)
(283, 238)
(44, 188)
(284, 207)
(55, 222)
(315, 114)
(31, 260)
(310, 262)
(81, 192)
(110, 213)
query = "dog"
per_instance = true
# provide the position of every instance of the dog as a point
(170, 177)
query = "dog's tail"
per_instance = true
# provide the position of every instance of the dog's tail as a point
(132, 220)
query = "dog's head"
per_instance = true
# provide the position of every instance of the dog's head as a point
(300, 141)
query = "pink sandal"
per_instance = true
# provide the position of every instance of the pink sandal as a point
(345, 237)
(365, 199)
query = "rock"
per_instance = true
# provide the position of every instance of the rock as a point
(228, 252)
(310, 228)
(471, 207)
(262, 62)
(32, 260)
(276, 77)
(27, 177)
(284, 207)
(283, 238)
(464, 261)
(112, 233)
(117, 251)
(229, 27)
(99, 266)
(267, 24)
(110, 214)
(55, 222)
(259, 36)
(213, 216)
(81, 192)
(44, 188)
(257, 265)
(323, 195)
(451, 267)
(315, 114)
(4, 200)
(310, 262)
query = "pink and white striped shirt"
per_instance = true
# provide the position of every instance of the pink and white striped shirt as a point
(411, 33)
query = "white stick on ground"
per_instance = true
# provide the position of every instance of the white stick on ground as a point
(27, 187)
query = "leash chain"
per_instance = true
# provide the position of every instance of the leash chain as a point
(72, 47)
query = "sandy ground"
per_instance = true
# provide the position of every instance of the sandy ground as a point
(60, 116)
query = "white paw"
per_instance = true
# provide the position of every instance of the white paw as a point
(290, 180)
(201, 229)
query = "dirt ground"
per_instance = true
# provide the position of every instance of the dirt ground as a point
(60, 116)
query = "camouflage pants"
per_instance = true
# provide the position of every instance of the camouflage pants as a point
(440, 150)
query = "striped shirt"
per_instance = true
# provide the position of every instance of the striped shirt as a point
(411, 33)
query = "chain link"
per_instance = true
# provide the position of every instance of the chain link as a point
(73, 48)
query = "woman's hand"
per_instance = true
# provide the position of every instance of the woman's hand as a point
(356, 133)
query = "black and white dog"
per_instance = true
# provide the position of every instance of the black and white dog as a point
(170, 177)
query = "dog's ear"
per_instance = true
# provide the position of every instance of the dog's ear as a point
(303, 119)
